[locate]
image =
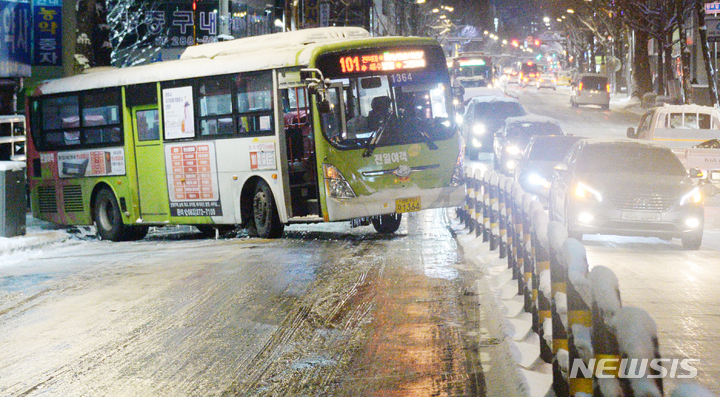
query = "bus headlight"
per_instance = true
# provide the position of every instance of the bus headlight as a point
(336, 185)
(479, 129)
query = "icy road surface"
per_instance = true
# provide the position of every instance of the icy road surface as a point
(327, 310)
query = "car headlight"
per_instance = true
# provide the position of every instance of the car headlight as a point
(476, 142)
(336, 185)
(459, 119)
(693, 196)
(513, 150)
(537, 180)
(584, 191)
(479, 129)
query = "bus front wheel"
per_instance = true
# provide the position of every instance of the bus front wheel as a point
(107, 217)
(387, 224)
(265, 221)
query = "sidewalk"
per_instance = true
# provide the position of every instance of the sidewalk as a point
(38, 233)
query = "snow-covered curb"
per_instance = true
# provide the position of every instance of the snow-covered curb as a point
(516, 368)
(9, 245)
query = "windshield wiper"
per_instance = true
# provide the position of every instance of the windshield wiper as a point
(428, 141)
(375, 137)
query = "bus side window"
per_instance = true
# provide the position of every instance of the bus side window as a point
(703, 121)
(254, 103)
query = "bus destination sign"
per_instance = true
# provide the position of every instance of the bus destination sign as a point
(382, 62)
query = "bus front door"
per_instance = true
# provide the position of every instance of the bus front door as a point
(150, 164)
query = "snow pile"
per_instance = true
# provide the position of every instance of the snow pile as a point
(605, 291)
(636, 335)
(12, 165)
(574, 255)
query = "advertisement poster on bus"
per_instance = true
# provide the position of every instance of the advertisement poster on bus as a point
(192, 179)
(262, 156)
(96, 162)
(178, 113)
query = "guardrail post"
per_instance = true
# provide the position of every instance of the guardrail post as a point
(469, 194)
(494, 212)
(510, 226)
(479, 203)
(557, 234)
(517, 227)
(487, 206)
(579, 316)
(605, 303)
(541, 278)
(528, 257)
(502, 222)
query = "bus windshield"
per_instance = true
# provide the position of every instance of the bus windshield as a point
(408, 103)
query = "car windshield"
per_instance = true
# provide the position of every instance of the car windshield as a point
(550, 149)
(498, 110)
(629, 158)
(523, 131)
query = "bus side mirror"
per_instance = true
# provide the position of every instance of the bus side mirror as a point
(458, 91)
(324, 106)
(631, 133)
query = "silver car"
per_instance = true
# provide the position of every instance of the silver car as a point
(629, 188)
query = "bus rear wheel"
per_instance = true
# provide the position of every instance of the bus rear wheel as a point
(265, 221)
(107, 217)
(387, 224)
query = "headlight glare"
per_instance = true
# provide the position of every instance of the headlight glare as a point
(584, 191)
(693, 196)
(479, 129)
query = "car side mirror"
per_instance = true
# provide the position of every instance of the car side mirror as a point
(631, 133)
(561, 168)
(458, 91)
(695, 173)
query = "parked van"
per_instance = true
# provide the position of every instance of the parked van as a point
(591, 89)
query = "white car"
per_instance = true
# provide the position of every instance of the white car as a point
(591, 89)
(547, 80)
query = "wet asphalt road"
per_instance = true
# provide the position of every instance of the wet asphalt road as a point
(323, 311)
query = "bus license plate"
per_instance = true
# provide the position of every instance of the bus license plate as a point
(641, 216)
(410, 204)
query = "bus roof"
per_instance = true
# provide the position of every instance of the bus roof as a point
(245, 54)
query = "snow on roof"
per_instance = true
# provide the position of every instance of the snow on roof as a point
(297, 38)
(692, 108)
(246, 54)
(531, 118)
(492, 98)
(12, 165)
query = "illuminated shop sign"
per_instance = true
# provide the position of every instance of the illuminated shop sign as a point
(383, 62)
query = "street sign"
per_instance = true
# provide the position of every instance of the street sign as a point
(713, 29)
(712, 8)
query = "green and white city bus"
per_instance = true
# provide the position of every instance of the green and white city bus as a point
(316, 125)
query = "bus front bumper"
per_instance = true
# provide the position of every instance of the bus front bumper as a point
(386, 202)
